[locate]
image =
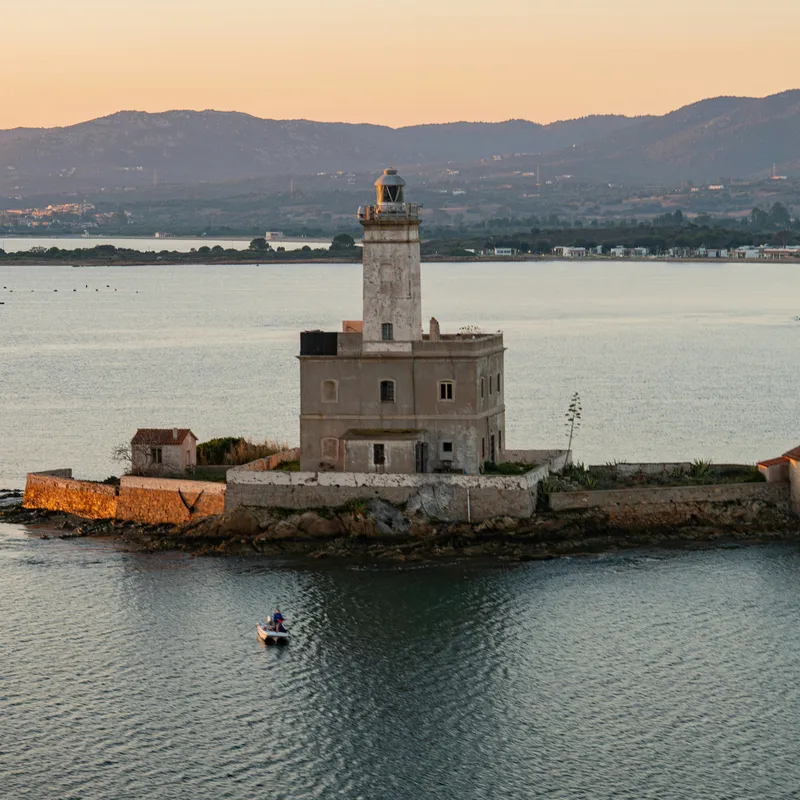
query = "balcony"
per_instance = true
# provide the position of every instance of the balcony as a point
(389, 211)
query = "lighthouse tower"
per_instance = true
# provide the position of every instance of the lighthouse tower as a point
(392, 314)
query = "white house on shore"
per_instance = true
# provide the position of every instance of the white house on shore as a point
(163, 450)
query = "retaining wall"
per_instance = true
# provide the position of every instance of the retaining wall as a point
(272, 462)
(82, 498)
(670, 505)
(440, 496)
(150, 500)
(158, 500)
(556, 460)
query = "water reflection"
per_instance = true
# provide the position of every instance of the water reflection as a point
(643, 675)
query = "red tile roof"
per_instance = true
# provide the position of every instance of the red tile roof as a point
(771, 462)
(161, 436)
(794, 454)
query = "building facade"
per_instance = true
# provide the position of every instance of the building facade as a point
(163, 451)
(382, 396)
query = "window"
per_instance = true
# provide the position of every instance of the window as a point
(378, 455)
(498, 383)
(490, 384)
(447, 447)
(387, 331)
(483, 387)
(483, 448)
(446, 390)
(157, 455)
(500, 442)
(330, 391)
(387, 391)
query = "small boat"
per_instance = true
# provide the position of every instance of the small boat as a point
(269, 635)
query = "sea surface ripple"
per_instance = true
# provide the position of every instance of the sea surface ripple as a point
(644, 675)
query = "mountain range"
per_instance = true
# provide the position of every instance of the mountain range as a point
(723, 136)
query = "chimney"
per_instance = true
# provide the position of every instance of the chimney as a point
(175, 434)
(434, 334)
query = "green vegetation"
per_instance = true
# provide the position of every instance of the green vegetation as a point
(659, 233)
(235, 450)
(577, 477)
(107, 254)
(573, 418)
(343, 241)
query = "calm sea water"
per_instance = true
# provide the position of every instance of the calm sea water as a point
(648, 675)
(672, 361)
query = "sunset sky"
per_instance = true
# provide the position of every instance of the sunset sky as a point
(395, 63)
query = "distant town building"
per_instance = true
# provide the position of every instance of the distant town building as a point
(163, 450)
(385, 397)
(504, 251)
(570, 252)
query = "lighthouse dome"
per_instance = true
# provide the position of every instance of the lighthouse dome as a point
(390, 187)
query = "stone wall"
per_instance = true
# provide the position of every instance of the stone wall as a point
(158, 500)
(150, 500)
(442, 497)
(555, 459)
(82, 498)
(670, 505)
(273, 461)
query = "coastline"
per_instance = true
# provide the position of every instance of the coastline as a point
(367, 534)
(426, 259)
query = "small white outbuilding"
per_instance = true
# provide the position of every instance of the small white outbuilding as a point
(163, 450)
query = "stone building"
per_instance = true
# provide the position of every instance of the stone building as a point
(382, 396)
(163, 451)
(785, 468)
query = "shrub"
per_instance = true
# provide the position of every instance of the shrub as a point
(235, 450)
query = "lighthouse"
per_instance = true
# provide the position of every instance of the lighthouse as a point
(392, 313)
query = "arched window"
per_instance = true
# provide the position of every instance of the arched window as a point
(483, 387)
(387, 391)
(330, 450)
(498, 383)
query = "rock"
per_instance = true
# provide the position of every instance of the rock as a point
(388, 520)
(283, 529)
(240, 521)
(433, 501)
(312, 524)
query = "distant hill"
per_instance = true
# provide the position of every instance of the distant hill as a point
(705, 141)
(131, 148)
(719, 137)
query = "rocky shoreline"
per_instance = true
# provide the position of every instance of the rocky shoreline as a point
(378, 531)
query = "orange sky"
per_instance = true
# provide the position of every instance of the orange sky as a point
(396, 63)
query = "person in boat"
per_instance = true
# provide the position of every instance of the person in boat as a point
(277, 621)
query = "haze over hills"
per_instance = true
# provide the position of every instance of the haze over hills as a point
(726, 136)
(190, 146)
(723, 136)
